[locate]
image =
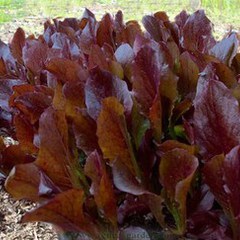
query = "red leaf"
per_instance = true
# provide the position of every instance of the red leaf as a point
(26, 181)
(102, 84)
(131, 31)
(73, 91)
(222, 174)
(70, 98)
(66, 211)
(216, 118)
(101, 187)
(113, 136)
(105, 31)
(197, 33)
(208, 225)
(54, 156)
(221, 72)
(125, 181)
(181, 19)
(153, 27)
(8, 60)
(35, 54)
(201, 200)
(6, 122)
(116, 69)
(155, 117)
(64, 47)
(25, 134)
(139, 125)
(225, 74)
(17, 44)
(31, 100)
(176, 171)
(155, 204)
(156, 28)
(65, 27)
(84, 128)
(170, 145)
(180, 109)
(126, 33)
(3, 69)
(202, 60)
(226, 49)
(23, 182)
(2, 144)
(129, 206)
(13, 155)
(66, 70)
(97, 58)
(88, 34)
(146, 78)
(169, 93)
(236, 63)
(150, 80)
(124, 54)
(146, 155)
(188, 75)
(161, 15)
(6, 90)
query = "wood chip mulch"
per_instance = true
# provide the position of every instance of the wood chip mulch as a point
(11, 212)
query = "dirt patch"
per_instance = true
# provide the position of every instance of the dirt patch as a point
(31, 25)
(11, 212)
(34, 25)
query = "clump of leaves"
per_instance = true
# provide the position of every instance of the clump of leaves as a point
(124, 133)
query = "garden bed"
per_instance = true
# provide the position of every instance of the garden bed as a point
(115, 124)
(10, 215)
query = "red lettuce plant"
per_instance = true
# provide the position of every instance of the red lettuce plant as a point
(124, 134)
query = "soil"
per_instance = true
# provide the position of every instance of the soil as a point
(11, 212)
(31, 25)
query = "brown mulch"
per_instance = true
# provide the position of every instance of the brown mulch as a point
(11, 212)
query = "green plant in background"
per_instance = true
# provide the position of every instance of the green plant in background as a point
(220, 12)
(223, 10)
(10, 9)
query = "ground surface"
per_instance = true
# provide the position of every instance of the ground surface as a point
(11, 212)
(31, 25)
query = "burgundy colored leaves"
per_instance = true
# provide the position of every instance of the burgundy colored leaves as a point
(117, 130)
